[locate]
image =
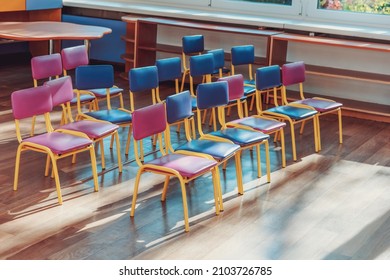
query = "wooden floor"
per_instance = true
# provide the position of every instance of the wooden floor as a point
(329, 205)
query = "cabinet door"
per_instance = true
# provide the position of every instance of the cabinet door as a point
(12, 5)
(42, 4)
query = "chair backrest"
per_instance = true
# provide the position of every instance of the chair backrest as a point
(169, 69)
(293, 73)
(219, 58)
(31, 102)
(193, 44)
(235, 86)
(178, 107)
(46, 66)
(268, 77)
(212, 95)
(202, 64)
(149, 120)
(61, 90)
(94, 76)
(73, 57)
(242, 55)
(143, 78)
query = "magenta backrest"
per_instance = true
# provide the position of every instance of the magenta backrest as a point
(293, 73)
(149, 120)
(31, 102)
(45, 66)
(73, 57)
(235, 86)
(61, 90)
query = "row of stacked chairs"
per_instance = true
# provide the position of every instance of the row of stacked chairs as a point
(199, 154)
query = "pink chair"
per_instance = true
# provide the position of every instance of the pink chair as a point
(152, 120)
(46, 67)
(59, 144)
(97, 130)
(73, 57)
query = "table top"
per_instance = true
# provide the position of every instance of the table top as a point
(50, 30)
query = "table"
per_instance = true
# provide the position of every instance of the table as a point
(50, 30)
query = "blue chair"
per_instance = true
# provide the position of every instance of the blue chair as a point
(215, 96)
(141, 80)
(179, 111)
(102, 76)
(268, 78)
(150, 121)
(191, 45)
(294, 73)
(169, 70)
(220, 69)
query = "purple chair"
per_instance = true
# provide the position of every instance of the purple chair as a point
(255, 122)
(294, 73)
(30, 102)
(62, 93)
(150, 121)
(73, 57)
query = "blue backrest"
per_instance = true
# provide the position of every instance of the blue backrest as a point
(193, 44)
(143, 78)
(169, 68)
(243, 54)
(211, 95)
(178, 106)
(94, 76)
(219, 58)
(268, 77)
(202, 64)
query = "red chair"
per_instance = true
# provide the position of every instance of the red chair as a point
(55, 144)
(74, 57)
(294, 73)
(97, 130)
(150, 121)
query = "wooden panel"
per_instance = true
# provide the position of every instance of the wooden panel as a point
(12, 5)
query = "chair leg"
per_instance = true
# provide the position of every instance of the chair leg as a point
(302, 127)
(33, 126)
(56, 178)
(102, 154)
(283, 147)
(340, 126)
(17, 165)
(185, 207)
(258, 156)
(240, 184)
(118, 151)
(217, 186)
(217, 193)
(128, 142)
(165, 188)
(94, 169)
(293, 141)
(267, 160)
(135, 191)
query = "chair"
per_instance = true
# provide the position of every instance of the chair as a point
(62, 93)
(143, 79)
(215, 95)
(45, 67)
(294, 73)
(149, 121)
(55, 144)
(219, 63)
(255, 122)
(179, 111)
(72, 57)
(169, 70)
(243, 56)
(103, 77)
(191, 45)
(268, 78)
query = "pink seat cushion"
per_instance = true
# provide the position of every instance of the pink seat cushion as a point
(101, 92)
(91, 128)
(59, 143)
(320, 105)
(187, 166)
(260, 124)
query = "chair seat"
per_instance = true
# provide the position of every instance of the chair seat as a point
(250, 82)
(84, 98)
(320, 105)
(93, 129)
(112, 116)
(101, 92)
(218, 150)
(59, 143)
(249, 90)
(260, 124)
(187, 166)
(295, 113)
(241, 137)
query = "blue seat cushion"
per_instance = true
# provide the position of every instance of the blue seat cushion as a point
(101, 92)
(249, 90)
(218, 150)
(113, 116)
(240, 136)
(294, 113)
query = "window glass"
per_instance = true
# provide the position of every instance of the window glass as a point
(359, 6)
